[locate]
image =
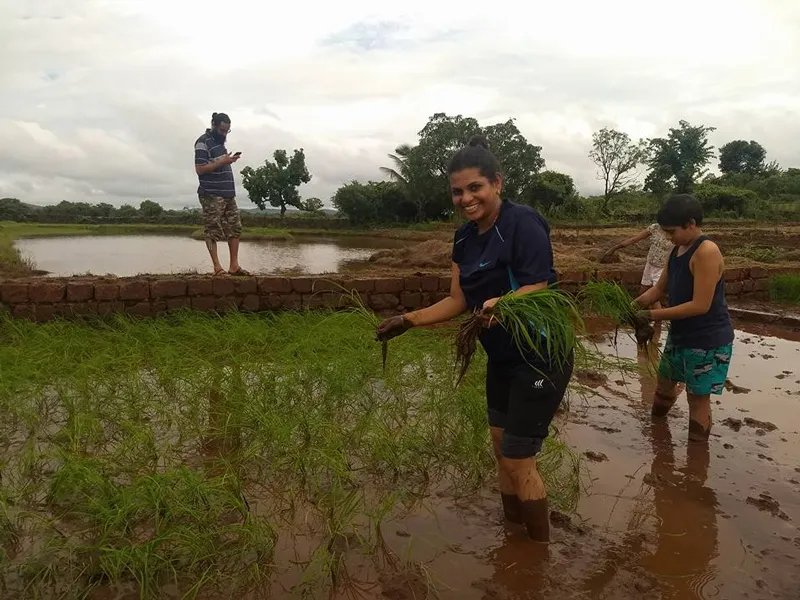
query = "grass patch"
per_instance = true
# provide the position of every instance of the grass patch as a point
(763, 254)
(785, 288)
(172, 453)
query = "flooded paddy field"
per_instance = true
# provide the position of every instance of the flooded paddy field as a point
(271, 456)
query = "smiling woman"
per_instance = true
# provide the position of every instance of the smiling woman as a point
(503, 249)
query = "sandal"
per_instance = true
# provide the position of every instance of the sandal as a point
(219, 272)
(240, 272)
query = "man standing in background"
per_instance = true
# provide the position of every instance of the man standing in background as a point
(217, 192)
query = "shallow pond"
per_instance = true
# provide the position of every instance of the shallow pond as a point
(126, 255)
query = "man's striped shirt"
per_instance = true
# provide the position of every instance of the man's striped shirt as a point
(209, 148)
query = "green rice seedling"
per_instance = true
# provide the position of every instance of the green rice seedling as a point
(112, 474)
(545, 323)
(611, 300)
(466, 344)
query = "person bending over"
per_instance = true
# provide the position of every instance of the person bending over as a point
(660, 247)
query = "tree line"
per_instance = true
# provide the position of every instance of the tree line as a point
(417, 189)
(13, 209)
(636, 176)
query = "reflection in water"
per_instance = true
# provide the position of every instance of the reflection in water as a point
(521, 567)
(685, 509)
(126, 255)
(686, 512)
(223, 436)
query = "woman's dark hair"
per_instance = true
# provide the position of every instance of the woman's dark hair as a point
(476, 155)
(679, 210)
(218, 118)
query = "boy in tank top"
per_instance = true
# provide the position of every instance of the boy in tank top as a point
(700, 341)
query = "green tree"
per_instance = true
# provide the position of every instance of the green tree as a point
(12, 209)
(740, 156)
(311, 205)
(616, 157)
(126, 211)
(276, 183)
(550, 189)
(679, 160)
(521, 160)
(715, 198)
(442, 136)
(420, 186)
(372, 202)
(148, 208)
(421, 170)
(104, 209)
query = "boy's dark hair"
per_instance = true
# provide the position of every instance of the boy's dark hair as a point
(476, 155)
(218, 118)
(679, 210)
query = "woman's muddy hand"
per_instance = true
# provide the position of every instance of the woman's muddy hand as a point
(488, 306)
(392, 327)
(485, 315)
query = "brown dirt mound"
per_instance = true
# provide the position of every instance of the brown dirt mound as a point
(431, 254)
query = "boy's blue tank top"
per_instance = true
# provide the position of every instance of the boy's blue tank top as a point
(704, 332)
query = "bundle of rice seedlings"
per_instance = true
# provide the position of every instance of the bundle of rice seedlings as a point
(609, 299)
(467, 343)
(545, 323)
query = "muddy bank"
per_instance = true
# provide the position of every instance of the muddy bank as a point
(583, 249)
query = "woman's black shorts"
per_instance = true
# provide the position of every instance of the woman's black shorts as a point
(522, 401)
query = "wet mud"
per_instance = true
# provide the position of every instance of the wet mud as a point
(661, 517)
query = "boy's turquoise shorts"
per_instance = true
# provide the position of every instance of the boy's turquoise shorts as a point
(703, 371)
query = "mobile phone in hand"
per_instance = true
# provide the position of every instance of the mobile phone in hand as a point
(237, 154)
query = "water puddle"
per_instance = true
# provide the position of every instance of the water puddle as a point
(127, 255)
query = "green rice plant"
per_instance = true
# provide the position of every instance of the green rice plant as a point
(546, 322)
(609, 299)
(173, 452)
(785, 288)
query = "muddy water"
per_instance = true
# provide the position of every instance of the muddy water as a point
(126, 255)
(660, 518)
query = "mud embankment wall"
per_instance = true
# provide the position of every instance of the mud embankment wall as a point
(43, 299)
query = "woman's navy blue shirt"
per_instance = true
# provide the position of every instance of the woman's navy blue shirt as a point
(515, 252)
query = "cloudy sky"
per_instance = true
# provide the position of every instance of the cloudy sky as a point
(102, 99)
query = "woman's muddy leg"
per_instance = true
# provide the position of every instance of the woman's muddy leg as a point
(533, 497)
(664, 398)
(699, 417)
(512, 508)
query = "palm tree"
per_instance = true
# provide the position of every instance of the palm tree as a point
(402, 171)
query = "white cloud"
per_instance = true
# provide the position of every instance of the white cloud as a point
(103, 98)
